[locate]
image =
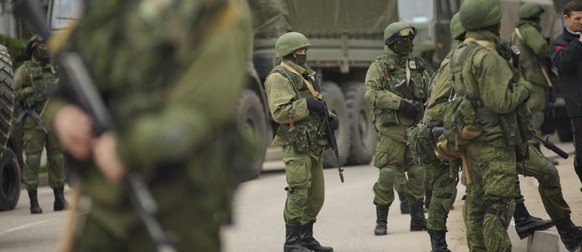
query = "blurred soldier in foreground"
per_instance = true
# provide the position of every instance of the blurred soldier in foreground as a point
(33, 81)
(397, 87)
(297, 106)
(170, 82)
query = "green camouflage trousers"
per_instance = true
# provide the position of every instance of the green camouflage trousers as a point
(441, 177)
(537, 120)
(487, 206)
(393, 157)
(306, 188)
(549, 188)
(34, 141)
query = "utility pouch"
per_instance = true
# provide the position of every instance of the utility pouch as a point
(302, 138)
(385, 118)
(422, 143)
(510, 127)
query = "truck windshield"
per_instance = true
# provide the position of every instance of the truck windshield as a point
(63, 12)
(415, 11)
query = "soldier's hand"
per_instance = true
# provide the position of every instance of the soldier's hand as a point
(75, 132)
(316, 106)
(409, 110)
(106, 158)
(333, 122)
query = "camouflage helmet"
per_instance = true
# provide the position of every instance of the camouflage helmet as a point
(289, 43)
(457, 29)
(427, 46)
(32, 43)
(479, 14)
(396, 30)
(530, 10)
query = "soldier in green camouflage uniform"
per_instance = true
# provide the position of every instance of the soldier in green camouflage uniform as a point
(171, 81)
(397, 87)
(442, 175)
(32, 81)
(486, 123)
(534, 54)
(297, 106)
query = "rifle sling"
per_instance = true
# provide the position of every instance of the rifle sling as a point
(314, 92)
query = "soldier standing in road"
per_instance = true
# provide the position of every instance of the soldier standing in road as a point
(33, 81)
(298, 107)
(486, 128)
(442, 175)
(534, 53)
(171, 82)
(397, 86)
(567, 57)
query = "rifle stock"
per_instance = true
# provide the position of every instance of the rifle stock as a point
(76, 75)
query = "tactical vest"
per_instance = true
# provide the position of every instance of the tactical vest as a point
(42, 79)
(304, 136)
(411, 75)
(466, 115)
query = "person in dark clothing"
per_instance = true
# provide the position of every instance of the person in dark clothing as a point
(567, 57)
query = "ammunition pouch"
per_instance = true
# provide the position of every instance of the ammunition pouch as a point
(422, 143)
(384, 118)
(303, 137)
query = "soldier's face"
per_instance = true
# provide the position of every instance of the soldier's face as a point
(574, 21)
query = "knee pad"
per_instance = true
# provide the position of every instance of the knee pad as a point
(386, 178)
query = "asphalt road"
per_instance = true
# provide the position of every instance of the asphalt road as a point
(346, 221)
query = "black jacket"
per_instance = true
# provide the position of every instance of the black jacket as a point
(567, 57)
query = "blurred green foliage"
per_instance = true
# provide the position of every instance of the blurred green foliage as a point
(16, 48)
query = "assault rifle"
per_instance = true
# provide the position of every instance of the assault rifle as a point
(76, 75)
(325, 130)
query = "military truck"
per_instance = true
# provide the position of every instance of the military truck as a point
(10, 149)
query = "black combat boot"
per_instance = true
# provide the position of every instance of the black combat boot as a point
(525, 224)
(570, 234)
(292, 240)
(34, 207)
(417, 219)
(404, 206)
(60, 202)
(307, 240)
(438, 241)
(381, 220)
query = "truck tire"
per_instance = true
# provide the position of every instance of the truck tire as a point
(251, 115)
(6, 97)
(337, 105)
(564, 129)
(363, 134)
(9, 180)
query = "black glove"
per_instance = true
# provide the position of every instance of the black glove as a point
(409, 110)
(333, 122)
(315, 105)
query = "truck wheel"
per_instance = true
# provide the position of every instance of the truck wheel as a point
(6, 97)
(363, 137)
(251, 115)
(564, 129)
(337, 105)
(9, 180)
